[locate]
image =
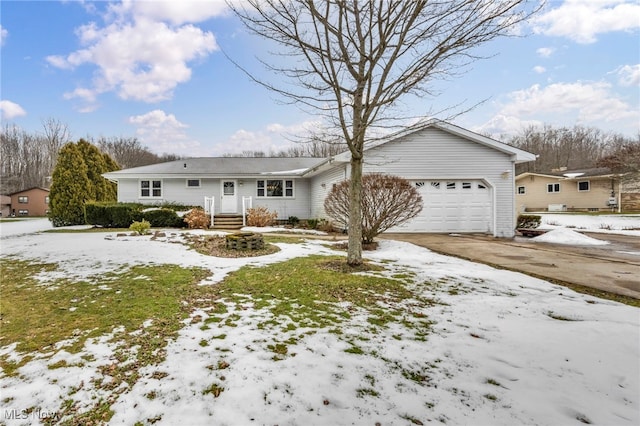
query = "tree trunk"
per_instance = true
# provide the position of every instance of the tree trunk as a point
(354, 252)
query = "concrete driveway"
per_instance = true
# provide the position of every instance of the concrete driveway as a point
(614, 268)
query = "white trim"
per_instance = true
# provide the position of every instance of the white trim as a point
(150, 196)
(284, 195)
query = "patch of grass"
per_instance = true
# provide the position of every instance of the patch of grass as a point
(37, 316)
(493, 382)
(362, 392)
(413, 420)
(214, 389)
(559, 317)
(357, 350)
(306, 290)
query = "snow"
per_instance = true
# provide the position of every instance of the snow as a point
(503, 348)
(569, 237)
(612, 224)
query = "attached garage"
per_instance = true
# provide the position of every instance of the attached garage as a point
(466, 180)
(461, 205)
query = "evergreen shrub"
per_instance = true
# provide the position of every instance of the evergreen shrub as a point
(163, 218)
(529, 221)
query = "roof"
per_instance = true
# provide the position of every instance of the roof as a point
(29, 189)
(519, 155)
(223, 166)
(284, 166)
(574, 174)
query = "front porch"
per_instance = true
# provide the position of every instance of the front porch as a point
(227, 221)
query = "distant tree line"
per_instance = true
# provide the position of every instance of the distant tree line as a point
(575, 148)
(27, 159)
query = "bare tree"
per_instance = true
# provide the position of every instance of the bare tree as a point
(352, 61)
(387, 201)
(129, 152)
(557, 148)
(623, 157)
(56, 134)
(28, 159)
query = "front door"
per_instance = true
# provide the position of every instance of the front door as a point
(229, 198)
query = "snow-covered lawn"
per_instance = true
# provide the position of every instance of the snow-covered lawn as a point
(503, 348)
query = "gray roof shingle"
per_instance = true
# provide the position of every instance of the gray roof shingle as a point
(225, 166)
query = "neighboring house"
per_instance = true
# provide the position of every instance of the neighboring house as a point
(30, 202)
(466, 180)
(575, 190)
(5, 205)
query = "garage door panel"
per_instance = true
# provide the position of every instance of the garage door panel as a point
(452, 206)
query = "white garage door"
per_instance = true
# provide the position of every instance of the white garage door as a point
(451, 206)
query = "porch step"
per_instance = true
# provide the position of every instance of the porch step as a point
(227, 222)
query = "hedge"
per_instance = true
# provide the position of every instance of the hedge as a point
(163, 218)
(109, 215)
(529, 221)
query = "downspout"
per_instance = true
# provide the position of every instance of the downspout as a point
(619, 195)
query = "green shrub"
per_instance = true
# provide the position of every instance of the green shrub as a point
(96, 214)
(163, 218)
(529, 221)
(112, 215)
(293, 221)
(313, 223)
(141, 228)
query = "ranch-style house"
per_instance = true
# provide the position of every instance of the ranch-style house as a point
(466, 180)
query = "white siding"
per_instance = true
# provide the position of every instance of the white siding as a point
(299, 205)
(321, 186)
(435, 154)
(174, 190)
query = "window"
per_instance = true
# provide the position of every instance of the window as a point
(229, 188)
(583, 186)
(435, 185)
(419, 184)
(482, 186)
(46, 199)
(151, 189)
(466, 185)
(275, 188)
(193, 183)
(23, 199)
(521, 190)
(23, 212)
(451, 185)
(553, 187)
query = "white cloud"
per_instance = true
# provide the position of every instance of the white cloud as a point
(163, 133)
(539, 69)
(629, 75)
(505, 125)
(590, 103)
(11, 110)
(176, 12)
(583, 20)
(3, 35)
(272, 138)
(136, 55)
(545, 52)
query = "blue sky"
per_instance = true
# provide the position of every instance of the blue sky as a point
(154, 70)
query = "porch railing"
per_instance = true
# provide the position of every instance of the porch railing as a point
(247, 203)
(210, 207)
